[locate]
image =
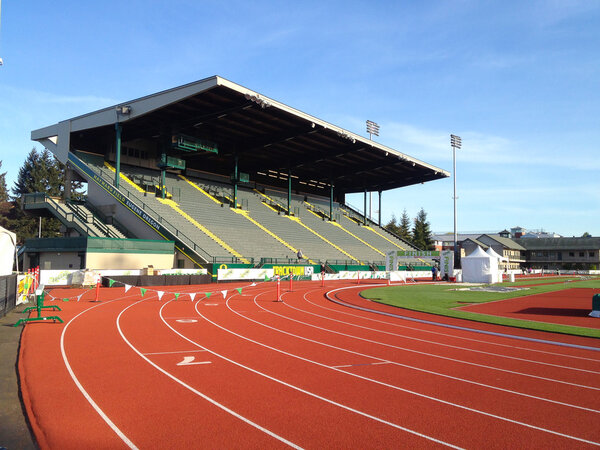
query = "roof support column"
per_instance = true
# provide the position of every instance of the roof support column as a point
(379, 218)
(289, 199)
(118, 130)
(68, 183)
(331, 201)
(163, 176)
(235, 180)
(365, 209)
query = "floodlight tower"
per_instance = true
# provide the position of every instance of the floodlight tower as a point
(372, 129)
(455, 142)
(1, 62)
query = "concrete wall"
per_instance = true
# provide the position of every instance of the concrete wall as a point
(60, 260)
(101, 199)
(122, 261)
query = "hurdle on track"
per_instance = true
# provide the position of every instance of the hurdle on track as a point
(39, 307)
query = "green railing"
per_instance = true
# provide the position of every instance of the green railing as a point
(69, 218)
(355, 211)
(283, 261)
(86, 217)
(170, 228)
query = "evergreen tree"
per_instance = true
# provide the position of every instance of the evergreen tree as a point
(404, 228)
(3, 189)
(421, 232)
(40, 172)
(392, 225)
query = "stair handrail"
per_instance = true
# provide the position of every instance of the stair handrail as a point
(168, 226)
(356, 211)
(68, 216)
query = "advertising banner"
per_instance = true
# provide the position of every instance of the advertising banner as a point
(447, 264)
(244, 274)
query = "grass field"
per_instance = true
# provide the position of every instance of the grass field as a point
(443, 299)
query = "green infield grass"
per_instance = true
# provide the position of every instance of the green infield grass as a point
(442, 299)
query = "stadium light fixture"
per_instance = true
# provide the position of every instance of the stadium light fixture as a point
(345, 135)
(455, 142)
(124, 110)
(372, 129)
(258, 100)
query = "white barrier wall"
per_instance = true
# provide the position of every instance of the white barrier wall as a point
(65, 277)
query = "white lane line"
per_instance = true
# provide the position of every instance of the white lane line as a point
(406, 365)
(364, 364)
(87, 396)
(408, 391)
(312, 394)
(371, 319)
(433, 355)
(457, 327)
(187, 386)
(531, 361)
(175, 352)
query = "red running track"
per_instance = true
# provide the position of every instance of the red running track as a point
(567, 307)
(246, 371)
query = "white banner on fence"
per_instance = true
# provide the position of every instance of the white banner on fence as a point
(68, 277)
(352, 275)
(244, 274)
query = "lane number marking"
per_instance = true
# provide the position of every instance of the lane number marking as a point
(189, 361)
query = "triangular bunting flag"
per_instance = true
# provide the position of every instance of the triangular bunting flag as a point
(253, 284)
(176, 295)
(208, 294)
(143, 291)
(79, 297)
(160, 294)
(127, 287)
(65, 299)
(110, 282)
(192, 295)
(266, 278)
(239, 290)
(224, 293)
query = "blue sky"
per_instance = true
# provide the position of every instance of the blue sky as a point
(518, 81)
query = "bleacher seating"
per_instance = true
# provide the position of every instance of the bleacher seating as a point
(259, 227)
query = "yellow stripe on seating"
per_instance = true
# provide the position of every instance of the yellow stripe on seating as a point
(270, 207)
(356, 237)
(200, 189)
(264, 195)
(351, 219)
(381, 235)
(297, 220)
(205, 230)
(124, 177)
(269, 232)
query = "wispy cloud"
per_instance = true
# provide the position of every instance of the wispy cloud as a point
(47, 97)
(481, 148)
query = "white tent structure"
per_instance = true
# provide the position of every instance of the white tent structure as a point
(490, 251)
(479, 267)
(8, 242)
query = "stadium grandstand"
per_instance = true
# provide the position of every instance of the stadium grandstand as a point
(229, 175)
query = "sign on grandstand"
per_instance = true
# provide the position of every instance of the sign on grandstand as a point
(393, 257)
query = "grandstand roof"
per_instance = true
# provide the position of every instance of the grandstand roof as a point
(562, 243)
(267, 136)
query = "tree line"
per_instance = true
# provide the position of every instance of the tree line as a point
(41, 172)
(416, 232)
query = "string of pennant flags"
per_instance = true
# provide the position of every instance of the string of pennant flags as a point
(160, 294)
